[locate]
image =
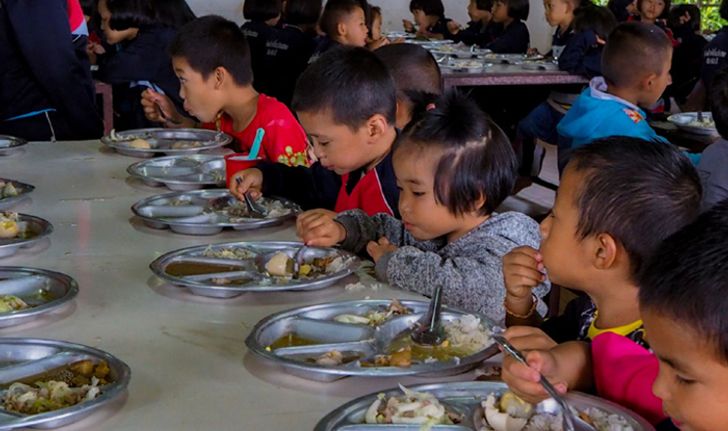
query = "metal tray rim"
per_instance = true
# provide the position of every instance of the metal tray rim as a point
(71, 293)
(47, 230)
(225, 140)
(133, 169)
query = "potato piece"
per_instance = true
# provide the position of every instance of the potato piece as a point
(401, 358)
(84, 368)
(9, 229)
(141, 144)
(278, 265)
(101, 371)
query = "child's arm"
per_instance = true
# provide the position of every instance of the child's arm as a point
(577, 56)
(362, 229)
(513, 41)
(160, 109)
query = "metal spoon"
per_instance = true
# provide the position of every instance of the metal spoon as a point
(298, 260)
(255, 209)
(430, 331)
(571, 422)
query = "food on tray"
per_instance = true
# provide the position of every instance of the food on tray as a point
(335, 358)
(239, 211)
(9, 227)
(140, 143)
(375, 317)
(10, 303)
(182, 145)
(7, 189)
(465, 64)
(279, 265)
(411, 408)
(706, 123)
(236, 253)
(184, 268)
(291, 340)
(56, 389)
(509, 413)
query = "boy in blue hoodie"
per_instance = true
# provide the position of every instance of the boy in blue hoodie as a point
(636, 70)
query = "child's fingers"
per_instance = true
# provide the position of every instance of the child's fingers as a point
(384, 241)
(532, 341)
(522, 380)
(523, 276)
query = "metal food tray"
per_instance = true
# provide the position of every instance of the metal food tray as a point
(258, 282)
(513, 58)
(44, 291)
(162, 141)
(317, 322)
(199, 216)
(39, 227)
(463, 398)
(23, 191)
(682, 121)
(463, 65)
(26, 357)
(181, 173)
(9, 144)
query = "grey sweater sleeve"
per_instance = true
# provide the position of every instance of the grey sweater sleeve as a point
(361, 228)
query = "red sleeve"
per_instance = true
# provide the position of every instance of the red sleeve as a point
(285, 140)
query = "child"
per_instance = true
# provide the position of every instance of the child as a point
(713, 163)
(687, 58)
(512, 36)
(344, 23)
(429, 16)
(479, 30)
(211, 58)
(715, 59)
(577, 45)
(262, 17)
(346, 101)
(636, 68)
(140, 60)
(683, 303)
(416, 76)
(453, 168)
(622, 9)
(376, 39)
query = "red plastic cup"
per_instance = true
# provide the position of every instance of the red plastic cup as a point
(237, 162)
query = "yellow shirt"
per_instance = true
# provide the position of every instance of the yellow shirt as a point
(623, 330)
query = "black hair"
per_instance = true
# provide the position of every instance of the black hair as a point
(633, 50)
(486, 5)
(517, 9)
(429, 7)
(126, 14)
(335, 11)
(598, 19)
(686, 280)
(719, 102)
(172, 13)
(302, 12)
(210, 42)
(723, 11)
(619, 9)
(413, 69)
(679, 11)
(262, 10)
(477, 158)
(376, 11)
(665, 11)
(637, 191)
(349, 82)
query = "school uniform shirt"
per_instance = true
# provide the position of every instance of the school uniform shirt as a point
(44, 67)
(323, 44)
(284, 140)
(285, 58)
(513, 39)
(687, 61)
(715, 57)
(470, 269)
(713, 170)
(373, 191)
(581, 54)
(440, 27)
(476, 33)
(258, 34)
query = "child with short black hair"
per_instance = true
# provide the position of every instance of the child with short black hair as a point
(511, 35)
(683, 302)
(416, 76)
(212, 61)
(713, 166)
(454, 167)
(376, 39)
(636, 70)
(346, 101)
(715, 59)
(344, 23)
(687, 58)
(429, 16)
(262, 17)
(479, 30)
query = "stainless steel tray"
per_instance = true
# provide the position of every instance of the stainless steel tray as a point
(181, 173)
(9, 144)
(316, 322)
(22, 188)
(43, 291)
(165, 141)
(251, 279)
(686, 121)
(463, 398)
(27, 357)
(38, 227)
(203, 212)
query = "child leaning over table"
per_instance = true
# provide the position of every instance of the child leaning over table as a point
(212, 61)
(453, 168)
(713, 166)
(480, 28)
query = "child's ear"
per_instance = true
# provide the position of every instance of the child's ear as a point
(606, 250)
(377, 125)
(220, 75)
(341, 29)
(648, 81)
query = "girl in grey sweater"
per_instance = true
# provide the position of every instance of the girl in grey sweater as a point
(454, 167)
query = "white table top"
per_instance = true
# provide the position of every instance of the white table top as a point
(190, 367)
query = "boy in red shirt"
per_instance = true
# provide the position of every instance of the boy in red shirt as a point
(346, 101)
(211, 58)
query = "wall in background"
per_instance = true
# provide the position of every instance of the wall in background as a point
(394, 11)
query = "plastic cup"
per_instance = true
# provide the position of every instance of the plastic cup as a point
(237, 162)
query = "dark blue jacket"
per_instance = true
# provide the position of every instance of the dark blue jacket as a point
(513, 39)
(475, 34)
(582, 55)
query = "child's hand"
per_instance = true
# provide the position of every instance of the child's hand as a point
(532, 51)
(524, 381)
(320, 228)
(409, 27)
(530, 337)
(522, 271)
(159, 108)
(379, 248)
(375, 44)
(601, 41)
(249, 180)
(453, 27)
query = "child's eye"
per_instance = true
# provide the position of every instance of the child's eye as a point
(683, 381)
(399, 188)
(418, 193)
